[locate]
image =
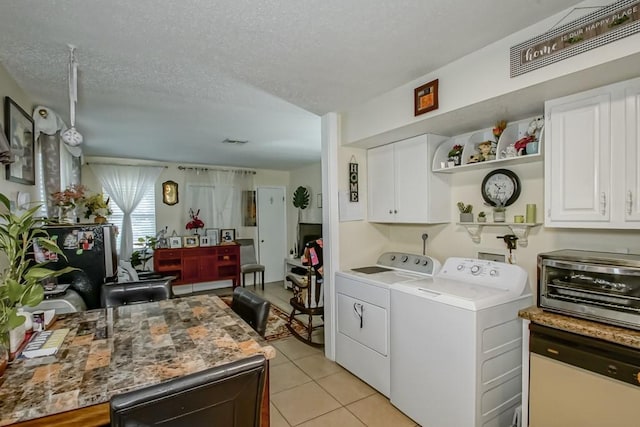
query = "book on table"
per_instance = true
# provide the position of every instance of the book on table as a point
(45, 343)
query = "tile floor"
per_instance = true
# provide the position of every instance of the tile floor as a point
(309, 390)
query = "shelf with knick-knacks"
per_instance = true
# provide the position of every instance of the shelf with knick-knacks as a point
(517, 142)
(520, 229)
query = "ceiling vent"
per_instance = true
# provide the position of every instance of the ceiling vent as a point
(234, 141)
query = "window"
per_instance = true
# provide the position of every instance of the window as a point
(143, 218)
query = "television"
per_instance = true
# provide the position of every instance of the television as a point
(307, 233)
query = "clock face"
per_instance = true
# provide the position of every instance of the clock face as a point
(500, 187)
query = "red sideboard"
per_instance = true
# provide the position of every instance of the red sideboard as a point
(202, 264)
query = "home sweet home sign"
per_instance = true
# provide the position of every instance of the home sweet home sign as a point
(616, 21)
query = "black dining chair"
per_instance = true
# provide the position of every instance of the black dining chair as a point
(116, 294)
(229, 395)
(252, 308)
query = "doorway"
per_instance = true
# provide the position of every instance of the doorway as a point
(272, 231)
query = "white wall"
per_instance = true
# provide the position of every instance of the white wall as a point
(469, 86)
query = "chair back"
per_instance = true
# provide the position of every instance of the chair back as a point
(228, 395)
(247, 251)
(117, 294)
(252, 308)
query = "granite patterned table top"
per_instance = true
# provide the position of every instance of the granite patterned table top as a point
(614, 334)
(110, 351)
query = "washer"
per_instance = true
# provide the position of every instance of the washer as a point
(456, 344)
(362, 321)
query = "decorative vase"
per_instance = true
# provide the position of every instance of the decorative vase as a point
(499, 216)
(99, 219)
(532, 147)
(66, 214)
(482, 219)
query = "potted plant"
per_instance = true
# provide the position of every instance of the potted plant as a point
(465, 212)
(97, 206)
(20, 278)
(140, 257)
(67, 201)
(482, 216)
(300, 201)
(455, 154)
(499, 213)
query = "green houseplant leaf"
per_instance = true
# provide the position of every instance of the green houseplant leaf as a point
(301, 198)
(20, 279)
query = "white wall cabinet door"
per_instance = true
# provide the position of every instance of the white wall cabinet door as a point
(401, 185)
(632, 154)
(578, 164)
(381, 184)
(592, 169)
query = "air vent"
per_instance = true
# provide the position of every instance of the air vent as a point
(234, 141)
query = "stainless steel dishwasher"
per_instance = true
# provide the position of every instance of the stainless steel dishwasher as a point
(581, 381)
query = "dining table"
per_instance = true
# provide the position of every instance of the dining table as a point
(110, 351)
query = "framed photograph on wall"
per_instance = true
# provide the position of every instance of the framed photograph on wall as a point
(425, 98)
(175, 242)
(227, 235)
(190, 241)
(19, 131)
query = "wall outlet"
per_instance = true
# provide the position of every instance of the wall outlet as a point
(491, 257)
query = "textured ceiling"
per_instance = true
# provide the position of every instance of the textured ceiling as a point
(169, 80)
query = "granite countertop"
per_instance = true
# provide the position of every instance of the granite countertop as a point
(110, 351)
(614, 334)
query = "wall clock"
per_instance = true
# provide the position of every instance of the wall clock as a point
(500, 187)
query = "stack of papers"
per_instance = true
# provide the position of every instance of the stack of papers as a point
(45, 343)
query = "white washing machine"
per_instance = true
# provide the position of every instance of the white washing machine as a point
(362, 321)
(456, 344)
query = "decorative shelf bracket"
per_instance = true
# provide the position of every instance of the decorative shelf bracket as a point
(521, 230)
(474, 230)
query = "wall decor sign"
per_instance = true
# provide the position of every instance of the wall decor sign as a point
(353, 180)
(170, 193)
(425, 98)
(19, 128)
(607, 24)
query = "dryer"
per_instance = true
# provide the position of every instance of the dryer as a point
(456, 344)
(362, 321)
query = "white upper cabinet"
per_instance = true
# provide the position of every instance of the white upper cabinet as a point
(401, 186)
(591, 169)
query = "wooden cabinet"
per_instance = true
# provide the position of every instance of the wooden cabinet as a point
(401, 186)
(592, 165)
(195, 265)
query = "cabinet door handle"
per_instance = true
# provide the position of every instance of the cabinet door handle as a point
(603, 203)
(359, 310)
(629, 202)
(390, 211)
(395, 211)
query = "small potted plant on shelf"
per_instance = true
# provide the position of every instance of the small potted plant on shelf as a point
(499, 212)
(482, 216)
(455, 154)
(465, 212)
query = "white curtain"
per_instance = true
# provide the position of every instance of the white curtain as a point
(126, 185)
(218, 196)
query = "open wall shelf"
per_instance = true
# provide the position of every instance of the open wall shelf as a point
(521, 230)
(470, 141)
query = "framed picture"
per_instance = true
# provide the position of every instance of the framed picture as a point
(20, 134)
(190, 241)
(175, 242)
(249, 208)
(425, 98)
(170, 193)
(204, 241)
(227, 235)
(214, 236)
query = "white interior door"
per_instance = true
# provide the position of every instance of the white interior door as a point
(272, 231)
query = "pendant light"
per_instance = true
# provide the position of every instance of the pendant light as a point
(71, 136)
